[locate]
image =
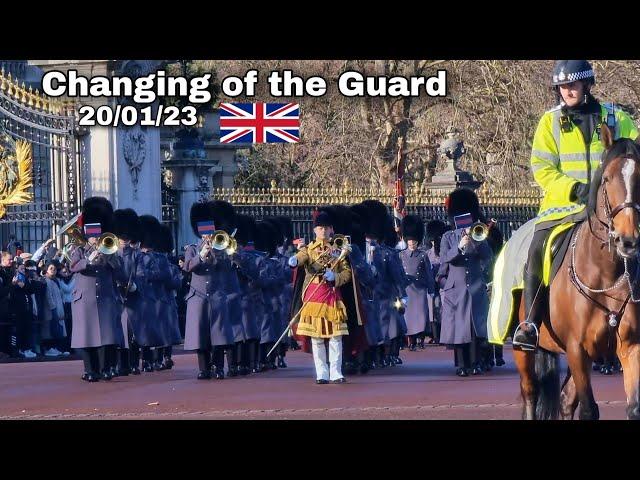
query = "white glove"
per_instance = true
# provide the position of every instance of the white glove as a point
(293, 262)
(133, 287)
(329, 276)
(93, 255)
(404, 301)
(374, 270)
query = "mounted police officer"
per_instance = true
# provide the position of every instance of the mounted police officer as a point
(566, 152)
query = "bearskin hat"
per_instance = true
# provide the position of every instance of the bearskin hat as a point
(379, 218)
(224, 215)
(435, 229)
(126, 224)
(98, 210)
(286, 227)
(149, 231)
(461, 201)
(164, 243)
(412, 228)
(276, 226)
(246, 229)
(199, 213)
(266, 237)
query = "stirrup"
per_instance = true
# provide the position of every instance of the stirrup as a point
(527, 347)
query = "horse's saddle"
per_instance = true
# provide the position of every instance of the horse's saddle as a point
(555, 249)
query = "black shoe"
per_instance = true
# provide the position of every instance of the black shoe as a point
(386, 361)
(244, 371)
(272, 365)
(339, 380)
(364, 368)
(499, 362)
(204, 375)
(476, 371)
(219, 374)
(159, 366)
(168, 363)
(114, 372)
(147, 367)
(398, 361)
(281, 363)
(107, 375)
(413, 347)
(135, 371)
(349, 368)
(462, 372)
(233, 372)
(122, 372)
(322, 382)
(85, 376)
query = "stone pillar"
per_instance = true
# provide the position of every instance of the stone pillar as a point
(122, 164)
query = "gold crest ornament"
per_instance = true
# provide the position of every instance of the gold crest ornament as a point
(16, 179)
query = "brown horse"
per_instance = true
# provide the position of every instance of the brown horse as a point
(592, 301)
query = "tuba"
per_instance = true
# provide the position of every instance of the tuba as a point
(73, 230)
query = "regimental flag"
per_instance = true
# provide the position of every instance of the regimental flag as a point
(92, 230)
(259, 122)
(463, 221)
(206, 228)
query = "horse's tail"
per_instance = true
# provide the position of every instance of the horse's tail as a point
(547, 375)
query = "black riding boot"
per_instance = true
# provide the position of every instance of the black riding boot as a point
(526, 336)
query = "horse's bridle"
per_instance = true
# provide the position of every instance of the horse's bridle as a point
(610, 213)
(613, 317)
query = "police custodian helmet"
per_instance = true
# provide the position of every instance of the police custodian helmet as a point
(568, 71)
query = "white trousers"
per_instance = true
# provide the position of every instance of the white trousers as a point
(323, 372)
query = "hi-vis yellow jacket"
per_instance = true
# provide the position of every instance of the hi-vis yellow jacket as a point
(560, 159)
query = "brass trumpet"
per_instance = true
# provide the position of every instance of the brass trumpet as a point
(479, 231)
(341, 241)
(108, 244)
(219, 240)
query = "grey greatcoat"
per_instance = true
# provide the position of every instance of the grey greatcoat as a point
(210, 307)
(465, 303)
(370, 293)
(286, 294)
(252, 273)
(271, 326)
(96, 306)
(417, 268)
(168, 306)
(132, 302)
(390, 286)
(434, 300)
(150, 278)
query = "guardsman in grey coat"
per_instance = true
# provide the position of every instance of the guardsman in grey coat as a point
(417, 268)
(209, 324)
(168, 307)
(97, 306)
(465, 302)
(357, 347)
(370, 292)
(271, 324)
(434, 231)
(251, 270)
(126, 229)
(389, 288)
(150, 279)
(284, 237)
(397, 325)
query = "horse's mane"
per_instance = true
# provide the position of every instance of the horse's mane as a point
(623, 147)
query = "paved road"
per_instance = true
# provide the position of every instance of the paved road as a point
(425, 387)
